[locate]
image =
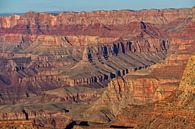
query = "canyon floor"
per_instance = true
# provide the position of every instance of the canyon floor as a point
(98, 70)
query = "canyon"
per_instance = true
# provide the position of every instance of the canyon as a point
(100, 69)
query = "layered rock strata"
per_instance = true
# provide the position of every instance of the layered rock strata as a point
(97, 64)
(41, 52)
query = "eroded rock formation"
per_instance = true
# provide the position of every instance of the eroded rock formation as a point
(66, 58)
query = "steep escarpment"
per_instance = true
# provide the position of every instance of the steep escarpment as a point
(129, 100)
(103, 21)
(39, 62)
(187, 85)
(138, 88)
(101, 24)
(34, 116)
(179, 108)
(144, 88)
(82, 64)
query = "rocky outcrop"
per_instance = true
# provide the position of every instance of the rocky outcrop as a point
(187, 85)
(174, 111)
(179, 108)
(25, 115)
(187, 82)
(161, 81)
(123, 47)
(33, 95)
(78, 40)
(58, 122)
(135, 89)
(35, 120)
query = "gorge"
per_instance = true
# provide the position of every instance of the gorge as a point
(100, 69)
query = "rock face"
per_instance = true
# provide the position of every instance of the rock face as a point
(71, 63)
(44, 23)
(175, 110)
(129, 94)
(138, 88)
(154, 84)
(187, 83)
(51, 121)
(179, 106)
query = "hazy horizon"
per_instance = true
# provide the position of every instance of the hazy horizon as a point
(22, 6)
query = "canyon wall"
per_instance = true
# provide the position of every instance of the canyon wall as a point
(43, 22)
(88, 27)
(97, 59)
(177, 111)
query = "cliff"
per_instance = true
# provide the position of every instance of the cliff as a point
(100, 24)
(44, 22)
(140, 89)
(33, 55)
(129, 104)
(175, 111)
